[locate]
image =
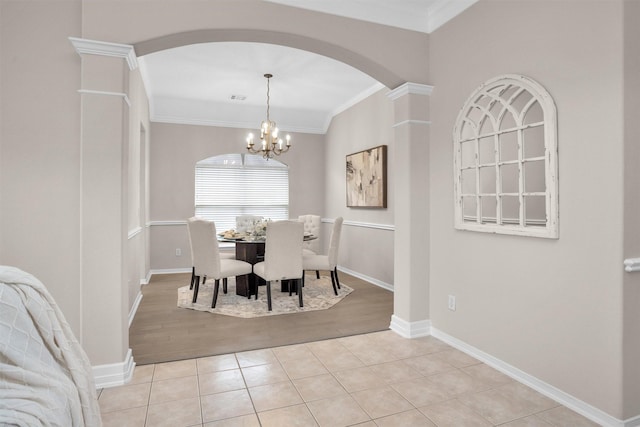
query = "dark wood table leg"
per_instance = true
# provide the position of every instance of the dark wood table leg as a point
(252, 253)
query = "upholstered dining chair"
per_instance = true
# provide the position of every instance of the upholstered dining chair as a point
(245, 221)
(226, 255)
(282, 256)
(327, 262)
(312, 226)
(206, 257)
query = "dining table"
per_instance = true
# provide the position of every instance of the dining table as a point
(251, 249)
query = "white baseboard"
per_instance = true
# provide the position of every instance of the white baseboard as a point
(371, 280)
(114, 374)
(145, 281)
(134, 308)
(406, 329)
(577, 405)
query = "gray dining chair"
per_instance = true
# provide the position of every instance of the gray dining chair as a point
(282, 256)
(206, 257)
(328, 262)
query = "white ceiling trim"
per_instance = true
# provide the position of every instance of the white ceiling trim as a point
(443, 11)
(410, 88)
(225, 124)
(160, 118)
(96, 47)
(424, 16)
(353, 101)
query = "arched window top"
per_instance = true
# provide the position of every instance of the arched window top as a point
(501, 104)
(241, 160)
(506, 159)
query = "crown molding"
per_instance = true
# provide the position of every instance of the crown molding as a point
(410, 89)
(358, 98)
(157, 118)
(116, 50)
(444, 11)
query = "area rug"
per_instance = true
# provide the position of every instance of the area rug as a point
(317, 295)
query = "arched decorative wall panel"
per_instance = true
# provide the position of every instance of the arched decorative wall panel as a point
(506, 159)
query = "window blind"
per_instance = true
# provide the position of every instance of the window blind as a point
(240, 184)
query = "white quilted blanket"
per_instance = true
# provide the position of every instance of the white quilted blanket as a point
(45, 376)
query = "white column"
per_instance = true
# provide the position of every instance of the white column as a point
(103, 230)
(411, 210)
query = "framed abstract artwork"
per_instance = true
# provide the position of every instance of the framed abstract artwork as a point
(367, 178)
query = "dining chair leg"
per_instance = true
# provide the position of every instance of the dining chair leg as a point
(224, 285)
(215, 293)
(289, 286)
(335, 272)
(269, 295)
(204, 279)
(196, 285)
(193, 277)
(302, 277)
(318, 274)
(333, 282)
(299, 282)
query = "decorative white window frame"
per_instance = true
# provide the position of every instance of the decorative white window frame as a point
(493, 101)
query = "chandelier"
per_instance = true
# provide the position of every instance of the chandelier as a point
(270, 143)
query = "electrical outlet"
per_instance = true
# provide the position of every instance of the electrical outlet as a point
(178, 252)
(452, 303)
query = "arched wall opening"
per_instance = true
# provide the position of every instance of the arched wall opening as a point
(378, 71)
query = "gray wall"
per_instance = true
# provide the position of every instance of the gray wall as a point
(365, 125)
(39, 131)
(551, 308)
(561, 310)
(175, 150)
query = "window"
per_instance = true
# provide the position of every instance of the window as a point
(505, 160)
(241, 184)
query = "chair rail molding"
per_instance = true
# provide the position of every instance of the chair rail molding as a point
(176, 222)
(389, 227)
(631, 265)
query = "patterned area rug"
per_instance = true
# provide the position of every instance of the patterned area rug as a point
(317, 295)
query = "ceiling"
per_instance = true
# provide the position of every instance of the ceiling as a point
(222, 84)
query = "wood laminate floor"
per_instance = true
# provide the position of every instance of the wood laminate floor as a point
(162, 332)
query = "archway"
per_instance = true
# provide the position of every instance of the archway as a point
(380, 72)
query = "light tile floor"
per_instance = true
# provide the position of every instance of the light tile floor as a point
(378, 379)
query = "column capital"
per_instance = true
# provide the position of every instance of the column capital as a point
(116, 50)
(410, 88)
